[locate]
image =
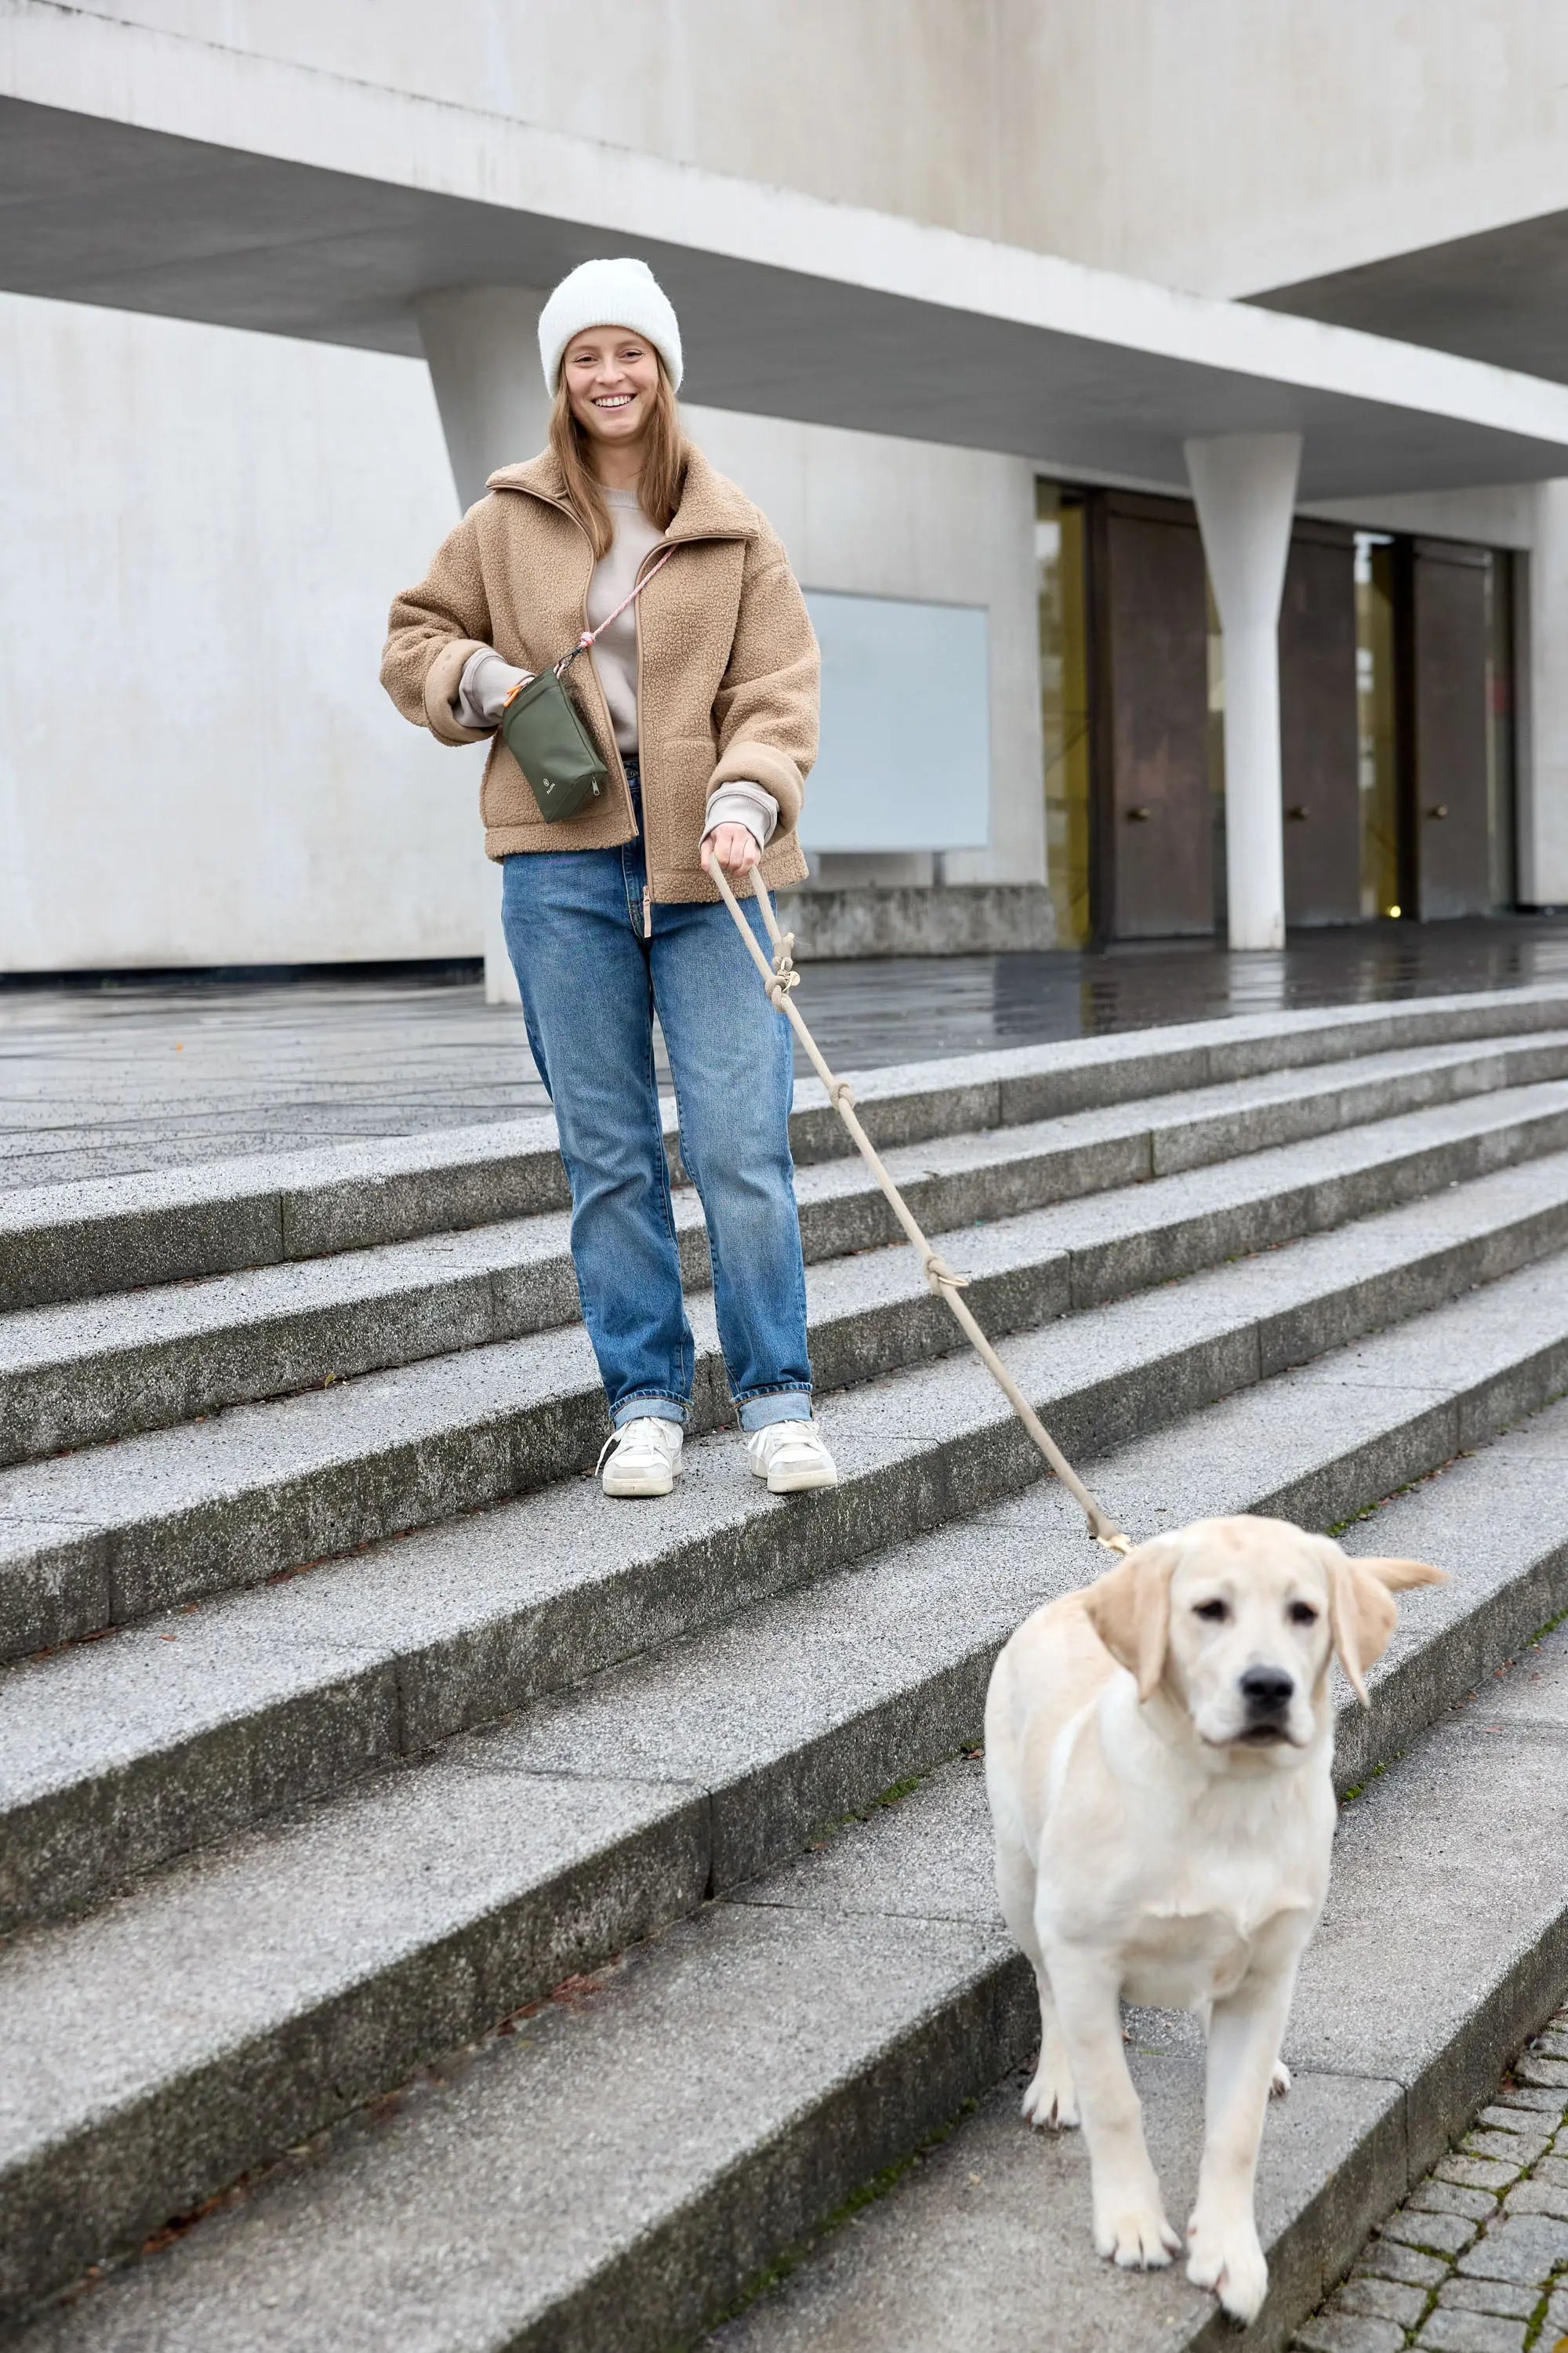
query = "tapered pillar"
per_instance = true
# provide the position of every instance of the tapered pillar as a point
(482, 346)
(1243, 485)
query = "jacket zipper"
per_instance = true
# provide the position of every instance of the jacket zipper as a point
(646, 838)
(642, 829)
(637, 627)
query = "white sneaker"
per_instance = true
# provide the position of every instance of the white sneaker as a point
(642, 1457)
(791, 1456)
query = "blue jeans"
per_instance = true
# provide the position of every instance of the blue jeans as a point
(591, 985)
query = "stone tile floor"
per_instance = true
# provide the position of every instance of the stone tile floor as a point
(99, 1079)
(1476, 2260)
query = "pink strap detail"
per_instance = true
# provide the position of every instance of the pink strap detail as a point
(588, 636)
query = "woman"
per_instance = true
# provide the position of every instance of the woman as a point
(702, 697)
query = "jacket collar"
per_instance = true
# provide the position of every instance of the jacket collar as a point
(710, 506)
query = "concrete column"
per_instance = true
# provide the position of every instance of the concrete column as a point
(1245, 488)
(1540, 625)
(482, 346)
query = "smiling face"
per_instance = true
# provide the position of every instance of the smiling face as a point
(611, 381)
(1249, 1634)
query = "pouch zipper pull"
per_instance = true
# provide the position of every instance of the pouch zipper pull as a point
(647, 912)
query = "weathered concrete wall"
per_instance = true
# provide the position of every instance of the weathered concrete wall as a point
(203, 531)
(216, 520)
(1506, 515)
(1214, 145)
(1227, 147)
(946, 919)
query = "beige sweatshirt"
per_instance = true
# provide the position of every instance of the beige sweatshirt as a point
(614, 655)
(487, 681)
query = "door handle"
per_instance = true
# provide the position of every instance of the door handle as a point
(1438, 808)
(1299, 813)
(1139, 816)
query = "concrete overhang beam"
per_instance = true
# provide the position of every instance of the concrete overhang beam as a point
(148, 171)
(1501, 295)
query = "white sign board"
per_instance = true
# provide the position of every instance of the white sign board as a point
(906, 758)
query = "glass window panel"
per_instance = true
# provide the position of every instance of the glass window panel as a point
(905, 750)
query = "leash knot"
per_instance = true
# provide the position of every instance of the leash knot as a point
(941, 1276)
(785, 976)
(841, 1093)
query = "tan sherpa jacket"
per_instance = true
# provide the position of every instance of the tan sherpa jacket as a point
(728, 666)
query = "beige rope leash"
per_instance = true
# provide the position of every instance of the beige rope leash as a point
(780, 979)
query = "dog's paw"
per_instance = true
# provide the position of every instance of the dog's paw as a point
(1229, 2261)
(1051, 2101)
(1138, 2238)
(1280, 2082)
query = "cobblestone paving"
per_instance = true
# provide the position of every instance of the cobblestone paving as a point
(1476, 2260)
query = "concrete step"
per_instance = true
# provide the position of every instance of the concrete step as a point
(575, 2181)
(114, 1756)
(88, 1372)
(105, 1535)
(369, 1935)
(104, 1236)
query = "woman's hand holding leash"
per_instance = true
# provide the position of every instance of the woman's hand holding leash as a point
(735, 846)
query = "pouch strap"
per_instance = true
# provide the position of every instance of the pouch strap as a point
(587, 640)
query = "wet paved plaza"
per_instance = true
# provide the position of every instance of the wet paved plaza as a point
(98, 1079)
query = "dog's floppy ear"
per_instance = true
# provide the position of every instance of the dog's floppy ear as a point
(1130, 1610)
(1362, 1611)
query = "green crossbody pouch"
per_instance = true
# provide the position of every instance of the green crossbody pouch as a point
(544, 732)
(545, 735)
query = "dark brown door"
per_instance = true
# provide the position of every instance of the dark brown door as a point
(1154, 823)
(1318, 744)
(1446, 782)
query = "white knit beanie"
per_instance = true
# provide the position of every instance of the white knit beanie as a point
(619, 293)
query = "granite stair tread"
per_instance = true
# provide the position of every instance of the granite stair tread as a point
(441, 1875)
(579, 2182)
(114, 1753)
(75, 1241)
(158, 2040)
(77, 1374)
(108, 1534)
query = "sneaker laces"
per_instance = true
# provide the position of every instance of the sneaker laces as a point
(776, 1438)
(612, 1444)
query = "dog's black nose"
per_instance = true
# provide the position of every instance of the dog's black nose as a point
(1266, 1690)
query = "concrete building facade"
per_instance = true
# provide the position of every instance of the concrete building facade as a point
(1070, 350)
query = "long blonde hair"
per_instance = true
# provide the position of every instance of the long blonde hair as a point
(663, 469)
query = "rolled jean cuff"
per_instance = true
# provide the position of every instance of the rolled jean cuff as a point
(775, 1405)
(648, 1408)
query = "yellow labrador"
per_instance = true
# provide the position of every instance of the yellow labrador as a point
(1158, 1753)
